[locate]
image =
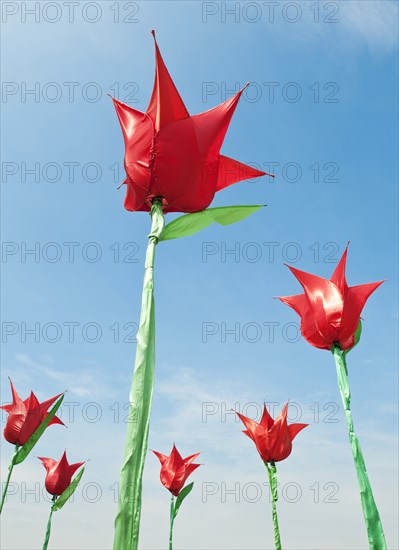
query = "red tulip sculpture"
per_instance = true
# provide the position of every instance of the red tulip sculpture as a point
(273, 441)
(174, 473)
(330, 319)
(59, 484)
(26, 423)
(173, 164)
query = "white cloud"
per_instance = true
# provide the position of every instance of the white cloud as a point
(229, 507)
(374, 22)
(86, 383)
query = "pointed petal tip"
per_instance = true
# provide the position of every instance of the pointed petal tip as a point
(263, 173)
(282, 298)
(155, 38)
(291, 268)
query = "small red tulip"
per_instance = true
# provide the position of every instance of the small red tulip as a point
(273, 438)
(59, 474)
(175, 470)
(24, 417)
(329, 309)
(175, 156)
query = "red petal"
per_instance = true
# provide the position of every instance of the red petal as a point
(16, 400)
(189, 470)
(160, 456)
(31, 423)
(280, 442)
(17, 404)
(138, 132)
(58, 477)
(258, 434)
(47, 404)
(56, 420)
(211, 126)
(231, 171)
(266, 420)
(298, 303)
(312, 333)
(338, 277)
(48, 463)
(165, 105)
(251, 425)
(355, 300)
(74, 467)
(172, 472)
(13, 428)
(178, 173)
(130, 120)
(309, 329)
(294, 429)
(325, 305)
(190, 459)
(31, 402)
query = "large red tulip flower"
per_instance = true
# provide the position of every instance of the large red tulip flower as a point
(175, 469)
(59, 474)
(329, 309)
(24, 417)
(273, 438)
(175, 156)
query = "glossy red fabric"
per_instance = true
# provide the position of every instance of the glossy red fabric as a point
(173, 155)
(273, 438)
(175, 469)
(329, 309)
(59, 473)
(24, 417)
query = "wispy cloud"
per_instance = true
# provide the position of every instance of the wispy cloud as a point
(374, 22)
(86, 383)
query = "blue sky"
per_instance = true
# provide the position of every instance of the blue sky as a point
(334, 153)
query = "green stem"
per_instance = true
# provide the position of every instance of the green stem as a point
(272, 473)
(370, 511)
(172, 519)
(10, 469)
(48, 530)
(127, 522)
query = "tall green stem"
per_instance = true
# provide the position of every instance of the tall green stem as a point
(370, 510)
(172, 519)
(272, 473)
(10, 469)
(48, 530)
(127, 522)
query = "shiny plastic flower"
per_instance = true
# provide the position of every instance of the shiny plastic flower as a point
(329, 309)
(273, 438)
(175, 156)
(24, 417)
(59, 473)
(175, 470)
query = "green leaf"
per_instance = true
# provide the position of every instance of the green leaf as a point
(182, 495)
(192, 223)
(357, 337)
(61, 500)
(34, 438)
